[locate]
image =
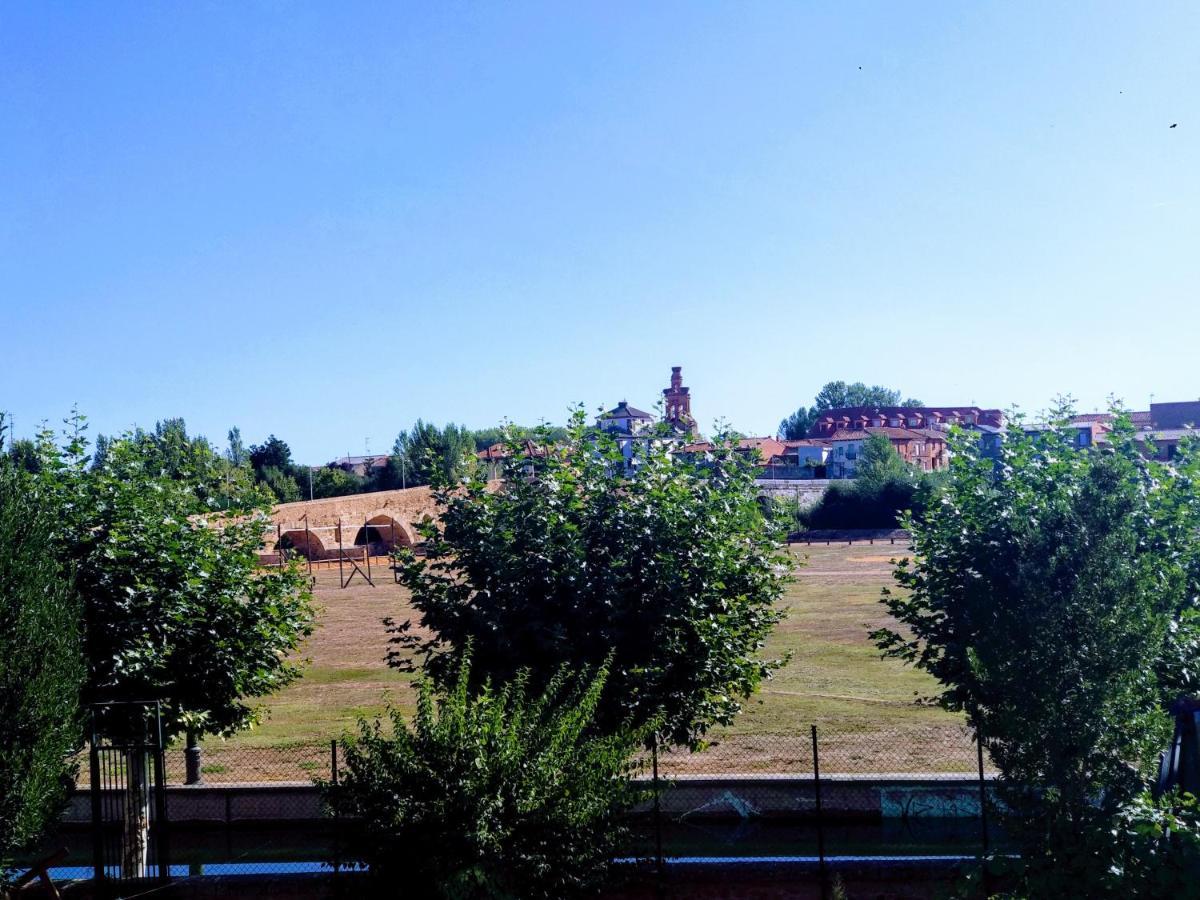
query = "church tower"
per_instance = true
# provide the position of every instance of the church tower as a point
(678, 402)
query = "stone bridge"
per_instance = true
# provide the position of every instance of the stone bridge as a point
(380, 521)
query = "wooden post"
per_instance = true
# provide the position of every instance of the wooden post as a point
(307, 544)
(341, 580)
(820, 820)
(367, 548)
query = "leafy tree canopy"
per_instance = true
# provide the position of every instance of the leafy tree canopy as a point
(427, 454)
(672, 569)
(486, 437)
(879, 463)
(271, 453)
(175, 605)
(1053, 597)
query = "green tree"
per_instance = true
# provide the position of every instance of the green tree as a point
(41, 665)
(237, 454)
(490, 792)
(839, 395)
(427, 453)
(879, 463)
(486, 437)
(330, 481)
(23, 454)
(672, 569)
(283, 487)
(271, 453)
(795, 427)
(175, 605)
(1053, 598)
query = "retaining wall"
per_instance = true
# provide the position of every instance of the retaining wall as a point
(726, 797)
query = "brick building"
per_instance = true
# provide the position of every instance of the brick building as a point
(858, 418)
(923, 448)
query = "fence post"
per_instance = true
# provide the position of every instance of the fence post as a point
(983, 817)
(341, 578)
(307, 544)
(337, 830)
(820, 818)
(97, 813)
(658, 850)
(193, 761)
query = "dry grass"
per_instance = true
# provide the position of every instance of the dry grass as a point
(863, 706)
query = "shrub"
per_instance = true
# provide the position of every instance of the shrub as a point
(490, 793)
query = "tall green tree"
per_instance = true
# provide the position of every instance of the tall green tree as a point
(1053, 597)
(41, 664)
(426, 453)
(879, 463)
(672, 569)
(175, 606)
(839, 395)
(236, 453)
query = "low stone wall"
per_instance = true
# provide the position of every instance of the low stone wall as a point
(807, 492)
(850, 797)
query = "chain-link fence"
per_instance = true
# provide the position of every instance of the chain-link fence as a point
(820, 796)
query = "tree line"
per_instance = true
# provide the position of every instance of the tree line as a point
(419, 455)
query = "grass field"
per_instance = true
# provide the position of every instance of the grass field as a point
(862, 705)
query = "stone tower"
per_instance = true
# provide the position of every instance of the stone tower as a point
(678, 412)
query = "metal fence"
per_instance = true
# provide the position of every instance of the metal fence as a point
(828, 793)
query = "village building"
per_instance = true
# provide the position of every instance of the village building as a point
(360, 465)
(923, 448)
(677, 405)
(1160, 428)
(857, 418)
(631, 427)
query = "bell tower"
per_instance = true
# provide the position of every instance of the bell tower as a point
(678, 404)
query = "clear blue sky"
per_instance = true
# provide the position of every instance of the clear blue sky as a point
(325, 220)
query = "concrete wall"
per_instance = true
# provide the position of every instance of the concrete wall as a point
(724, 797)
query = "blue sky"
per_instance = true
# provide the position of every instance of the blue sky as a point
(327, 220)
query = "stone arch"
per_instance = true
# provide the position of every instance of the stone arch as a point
(307, 543)
(385, 530)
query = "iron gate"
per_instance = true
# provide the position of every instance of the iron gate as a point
(129, 804)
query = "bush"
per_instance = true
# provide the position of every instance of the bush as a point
(41, 667)
(490, 793)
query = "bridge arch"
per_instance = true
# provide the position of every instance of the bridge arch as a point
(307, 543)
(385, 530)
